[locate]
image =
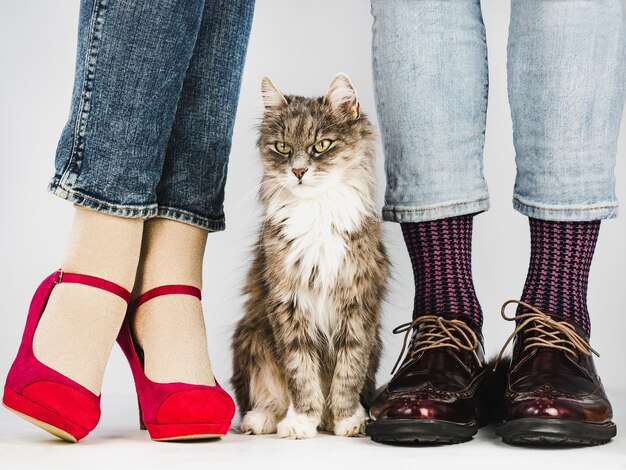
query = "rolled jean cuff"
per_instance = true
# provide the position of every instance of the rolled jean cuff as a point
(146, 211)
(565, 213)
(444, 210)
(191, 218)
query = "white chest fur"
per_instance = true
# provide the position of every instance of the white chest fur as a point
(315, 229)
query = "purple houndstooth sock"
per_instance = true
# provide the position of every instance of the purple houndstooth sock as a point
(440, 252)
(558, 274)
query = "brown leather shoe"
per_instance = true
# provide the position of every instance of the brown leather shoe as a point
(433, 396)
(553, 394)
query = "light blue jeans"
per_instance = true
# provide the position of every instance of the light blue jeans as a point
(566, 73)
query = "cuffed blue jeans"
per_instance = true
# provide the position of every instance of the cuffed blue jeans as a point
(566, 82)
(153, 107)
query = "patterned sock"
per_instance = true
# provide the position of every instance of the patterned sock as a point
(440, 252)
(558, 274)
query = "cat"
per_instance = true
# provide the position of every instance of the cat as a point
(306, 350)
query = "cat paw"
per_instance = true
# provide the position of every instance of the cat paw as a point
(352, 426)
(297, 426)
(258, 422)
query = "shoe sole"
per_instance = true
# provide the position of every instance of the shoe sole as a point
(420, 431)
(555, 432)
(187, 431)
(191, 437)
(41, 417)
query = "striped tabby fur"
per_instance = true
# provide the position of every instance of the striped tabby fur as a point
(306, 351)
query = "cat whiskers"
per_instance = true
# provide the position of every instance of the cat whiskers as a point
(254, 190)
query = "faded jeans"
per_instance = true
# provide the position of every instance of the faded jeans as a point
(153, 108)
(566, 83)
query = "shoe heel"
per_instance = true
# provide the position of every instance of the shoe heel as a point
(142, 425)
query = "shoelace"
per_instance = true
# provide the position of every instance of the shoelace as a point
(548, 332)
(437, 332)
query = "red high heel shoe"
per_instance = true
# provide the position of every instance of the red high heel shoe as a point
(39, 393)
(175, 411)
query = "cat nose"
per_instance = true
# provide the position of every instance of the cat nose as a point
(299, 172)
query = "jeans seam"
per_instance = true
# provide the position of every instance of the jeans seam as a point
(564, 208)
(141, 212)
(78, 197)
(436, 207)
(84, 108)
(193, 218)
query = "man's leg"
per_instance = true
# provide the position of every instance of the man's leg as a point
(566, 88)
(430, 77)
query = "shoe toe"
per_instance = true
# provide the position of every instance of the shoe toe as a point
(67, 402)
(197, 406)
(413, 407)
(558, 408)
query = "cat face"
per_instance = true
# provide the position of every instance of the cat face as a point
(311, 144)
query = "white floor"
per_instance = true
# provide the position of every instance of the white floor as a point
(118, 444)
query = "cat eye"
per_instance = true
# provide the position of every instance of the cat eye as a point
(283, 148)
(322, 145)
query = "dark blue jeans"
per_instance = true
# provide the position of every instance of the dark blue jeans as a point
(153, 107)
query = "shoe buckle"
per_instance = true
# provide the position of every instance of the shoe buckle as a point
(59, 277)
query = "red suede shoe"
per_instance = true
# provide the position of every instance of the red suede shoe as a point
(39, 393)
(175, 411)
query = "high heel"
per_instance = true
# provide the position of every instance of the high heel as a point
(175, 411)
(39, 393)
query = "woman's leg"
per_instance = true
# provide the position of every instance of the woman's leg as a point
(170, 329)
(191, 193)
(567, 71)
(131, 62)
(191, 188)
(79, 326)
(430, 78)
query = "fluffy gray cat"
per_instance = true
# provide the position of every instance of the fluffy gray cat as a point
(306, 351)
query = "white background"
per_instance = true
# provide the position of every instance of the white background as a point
(301, 45)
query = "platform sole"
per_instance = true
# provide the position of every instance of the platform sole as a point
(187, 431)
(42, 417)
(555, 432)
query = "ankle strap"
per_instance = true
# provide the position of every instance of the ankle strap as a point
(166, 290)
(92, 281)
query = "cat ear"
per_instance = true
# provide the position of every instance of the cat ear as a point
(342, 97)
(272, 98)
